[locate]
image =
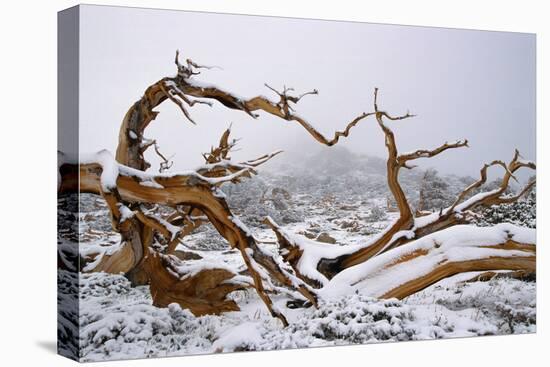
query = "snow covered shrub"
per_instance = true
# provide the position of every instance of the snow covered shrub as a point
(259, 197)
(67, 305)
(517, 318)
(100, 285)
(142, 331)
(94, 214)
(352, 319)
(358, 319)
(501, 305)
(522, 212)
(206, 238)
(376, 214)
(121, 322)
(435, 192)
(67, 214)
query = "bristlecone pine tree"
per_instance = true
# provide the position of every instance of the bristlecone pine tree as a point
(409, 255)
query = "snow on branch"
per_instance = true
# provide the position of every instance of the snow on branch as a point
(202, 287)
(513, 198)
(168, 230)
(219, 164)
(285, 98)
(213, 174)
(304, 254)
(187, 70)
(197, 190)
(177, 96)
(188, 221)
(494, 196)
(420, 263)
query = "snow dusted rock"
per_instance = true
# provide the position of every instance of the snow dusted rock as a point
(262, 196)
(187, 255)
(326, 238)
(307, 234)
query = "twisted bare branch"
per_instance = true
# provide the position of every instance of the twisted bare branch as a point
(424, 153)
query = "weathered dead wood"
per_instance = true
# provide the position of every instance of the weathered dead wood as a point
(181, 88)
(393, 165)
(524, 275)
(188, 222)
(119, 262)
(189, 189)
(462, 206)
(405, 228)
(165, 163)
(408, 269)
(447, 269)
(424, 153)
(204, 292)
(196, 199)
(290, 253)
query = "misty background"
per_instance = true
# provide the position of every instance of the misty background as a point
(477, 85)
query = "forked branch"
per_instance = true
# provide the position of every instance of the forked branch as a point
(495, 196)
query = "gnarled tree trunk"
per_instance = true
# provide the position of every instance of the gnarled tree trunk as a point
(387, 266)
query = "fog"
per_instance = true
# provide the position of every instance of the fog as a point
(461, 84)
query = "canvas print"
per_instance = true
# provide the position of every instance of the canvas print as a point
(240, 183)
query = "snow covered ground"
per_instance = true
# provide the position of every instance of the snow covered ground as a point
(119, 322)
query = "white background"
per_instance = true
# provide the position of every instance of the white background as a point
(28, 179)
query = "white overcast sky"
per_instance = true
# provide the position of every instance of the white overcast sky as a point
(462, 84)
